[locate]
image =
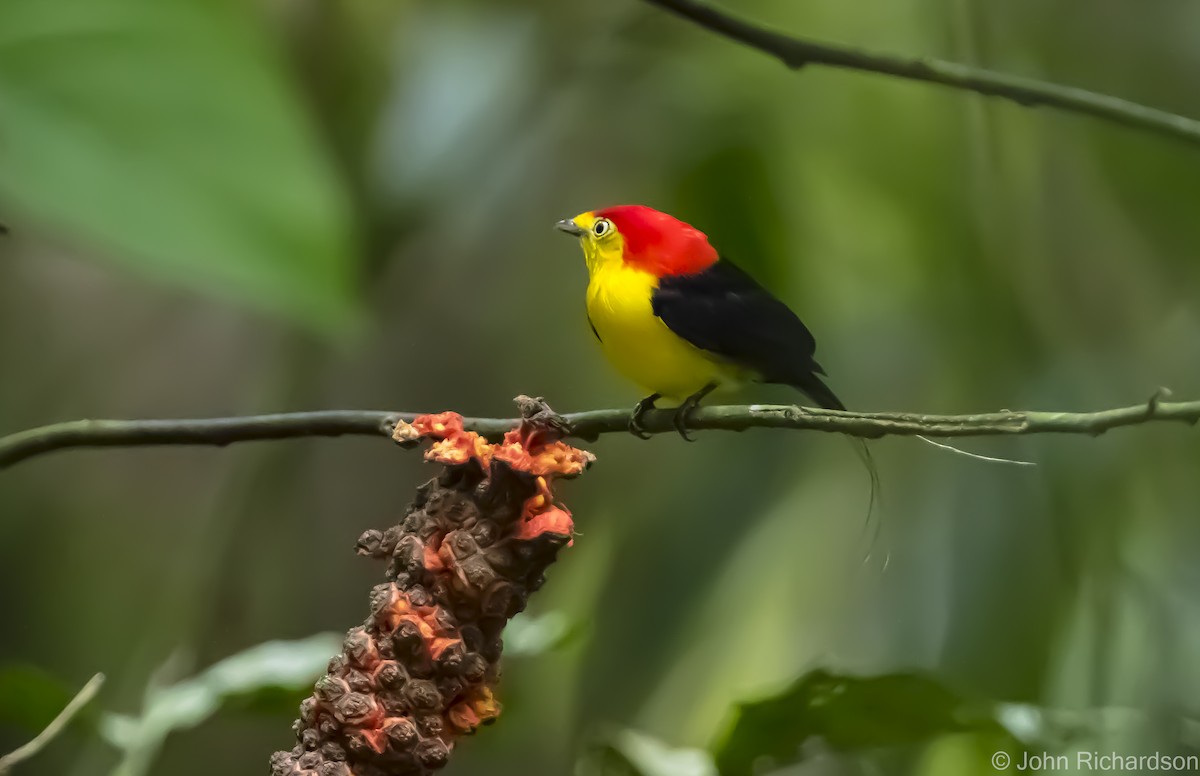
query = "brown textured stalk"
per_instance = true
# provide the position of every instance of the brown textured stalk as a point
(421, 671)
(587, 425)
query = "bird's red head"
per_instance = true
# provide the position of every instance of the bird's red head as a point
(659, 243)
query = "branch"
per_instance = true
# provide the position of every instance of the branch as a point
(55, 727)
(584, 425)
(797, 52)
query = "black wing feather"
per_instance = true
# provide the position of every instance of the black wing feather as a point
(724, 311)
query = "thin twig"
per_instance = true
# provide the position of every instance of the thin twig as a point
(56, 726)
(797, 52)
(585, 425)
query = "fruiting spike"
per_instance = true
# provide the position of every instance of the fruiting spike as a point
(419, 672)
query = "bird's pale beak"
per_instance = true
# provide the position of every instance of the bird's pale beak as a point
(570, 227)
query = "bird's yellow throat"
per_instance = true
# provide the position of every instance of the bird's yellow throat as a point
(637, 343)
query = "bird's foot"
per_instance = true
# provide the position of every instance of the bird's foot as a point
(685, 409)
(635, 419)
(680, 421)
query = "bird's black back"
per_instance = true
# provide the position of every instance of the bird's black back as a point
(725, 312)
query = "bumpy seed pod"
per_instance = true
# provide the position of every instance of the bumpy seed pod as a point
(420, 672)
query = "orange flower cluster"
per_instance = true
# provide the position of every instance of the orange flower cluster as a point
(420, 672)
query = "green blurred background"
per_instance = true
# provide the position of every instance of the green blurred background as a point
(220, 207)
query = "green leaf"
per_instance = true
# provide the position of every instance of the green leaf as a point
(273, 669)
(654, 758)
(530, 636)
(30, 697)
(849, 714)
(270, 701)
(165, 135)
(631, 753)
(968, 754)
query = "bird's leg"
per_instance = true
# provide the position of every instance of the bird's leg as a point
(685, 409)
(635, 419)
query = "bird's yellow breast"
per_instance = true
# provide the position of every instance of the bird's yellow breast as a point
(638, 343)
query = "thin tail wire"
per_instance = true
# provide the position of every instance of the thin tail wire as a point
(872, 521)
(976, 456)
(815, 389)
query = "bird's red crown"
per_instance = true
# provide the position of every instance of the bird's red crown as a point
(659, 243)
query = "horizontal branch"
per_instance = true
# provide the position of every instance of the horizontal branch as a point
(797, 52)
(583, 425)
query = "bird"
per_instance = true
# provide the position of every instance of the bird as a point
(678, 319)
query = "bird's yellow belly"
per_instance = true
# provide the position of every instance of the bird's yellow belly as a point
(640, 345)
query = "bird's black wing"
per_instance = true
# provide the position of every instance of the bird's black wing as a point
(724, 311)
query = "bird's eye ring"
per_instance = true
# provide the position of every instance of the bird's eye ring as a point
(601, 227)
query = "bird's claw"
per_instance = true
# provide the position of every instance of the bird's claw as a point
(637, 429)
(685, 409)
(635, 418)
(680, 421)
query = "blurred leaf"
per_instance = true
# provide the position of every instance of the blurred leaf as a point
(630, 753)
(272, 668)
(30, 697)
(462, 74)
(848, 714)
(605, 760)
(968, 754)
(749, 228)
(165, 135)
(654, 758)
(528, 636)
(270, 701)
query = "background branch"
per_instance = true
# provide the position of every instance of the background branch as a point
(584, 425)
(797, 52)
(56, 726)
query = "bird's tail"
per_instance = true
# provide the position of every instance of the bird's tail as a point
(815, 388)
(812, 386)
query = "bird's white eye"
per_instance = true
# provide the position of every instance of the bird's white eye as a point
(601, 227)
